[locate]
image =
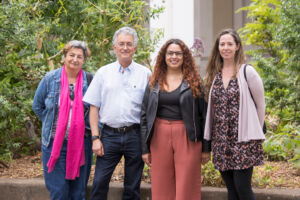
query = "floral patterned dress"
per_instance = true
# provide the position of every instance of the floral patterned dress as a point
(228, 153)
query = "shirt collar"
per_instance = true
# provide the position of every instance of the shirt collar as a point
(129, 68)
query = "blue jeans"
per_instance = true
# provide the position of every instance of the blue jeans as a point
(58, 186)
(115, 146)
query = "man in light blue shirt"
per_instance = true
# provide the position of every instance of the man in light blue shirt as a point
(115, 96)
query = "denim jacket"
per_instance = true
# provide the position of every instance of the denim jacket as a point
(46, 99)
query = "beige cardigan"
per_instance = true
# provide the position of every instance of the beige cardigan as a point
(251, 119)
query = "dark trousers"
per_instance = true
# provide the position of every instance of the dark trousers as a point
(115, 146)
(238, 183)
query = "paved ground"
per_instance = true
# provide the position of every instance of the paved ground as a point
(34, 189)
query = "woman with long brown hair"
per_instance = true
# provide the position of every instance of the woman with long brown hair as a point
(234, 119)
(172, 125)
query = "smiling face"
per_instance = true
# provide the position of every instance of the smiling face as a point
(74, 59)
(227, 47)
(124, 48)
(174, 57)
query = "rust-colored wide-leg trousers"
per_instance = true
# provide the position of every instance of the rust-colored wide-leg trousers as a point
(176, 163)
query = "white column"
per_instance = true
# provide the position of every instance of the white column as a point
(203, 11)
(183, 21)
(177, 21)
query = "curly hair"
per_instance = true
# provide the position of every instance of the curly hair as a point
(215, 61)
(189, 69)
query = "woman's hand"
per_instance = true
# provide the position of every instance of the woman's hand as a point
(147, 158)
(98, 147)
(205, 157)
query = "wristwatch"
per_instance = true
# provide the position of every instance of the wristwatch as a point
(95, 137)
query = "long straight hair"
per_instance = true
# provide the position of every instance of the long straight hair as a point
(215, 61)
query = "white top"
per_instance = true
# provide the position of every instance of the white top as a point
(118, 92)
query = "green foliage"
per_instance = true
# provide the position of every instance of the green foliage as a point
(210, 176)
(262, 176)
(17, 74)
(283, 143)
(274, 33)
(146, 173)
(32, 35)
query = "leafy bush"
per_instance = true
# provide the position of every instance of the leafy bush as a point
(210, 176)
(32, 35)
(283, 143)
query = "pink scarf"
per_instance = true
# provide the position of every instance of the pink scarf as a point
(75, 149)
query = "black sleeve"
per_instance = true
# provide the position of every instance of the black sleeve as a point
(89, 77)
(143, 130)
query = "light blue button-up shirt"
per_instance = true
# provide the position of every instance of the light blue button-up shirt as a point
(118, 93)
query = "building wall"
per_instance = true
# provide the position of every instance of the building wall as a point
(177, 21)
(223, 15)
(198, 18)
(211, 16)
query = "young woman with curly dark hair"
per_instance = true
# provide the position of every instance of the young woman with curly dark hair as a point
(172, 125)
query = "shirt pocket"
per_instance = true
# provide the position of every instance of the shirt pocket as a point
(50, 99)
(136, 93)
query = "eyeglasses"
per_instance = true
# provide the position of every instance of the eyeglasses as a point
(123, 44)
(176, 53)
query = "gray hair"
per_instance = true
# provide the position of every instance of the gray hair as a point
(77, 44)
(128, 31)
